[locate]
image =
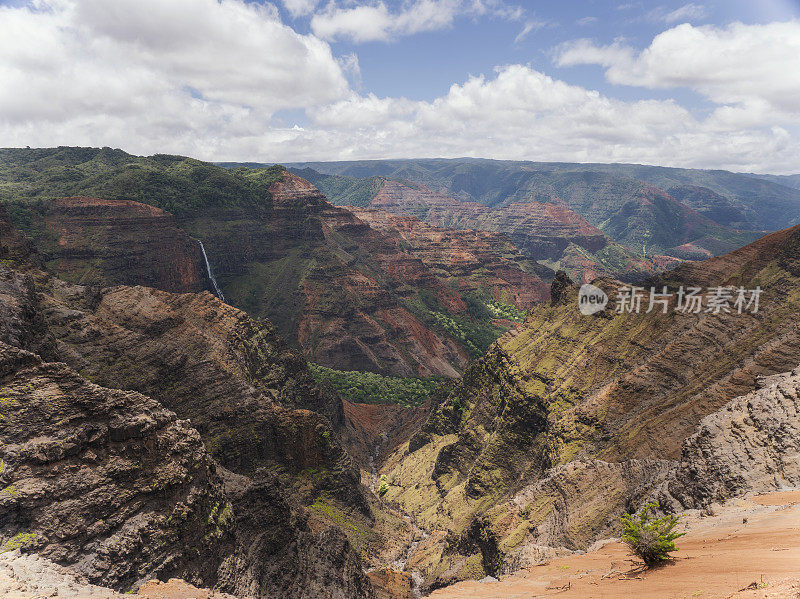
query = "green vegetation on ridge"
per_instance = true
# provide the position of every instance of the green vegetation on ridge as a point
(348, 191)
(182, 186)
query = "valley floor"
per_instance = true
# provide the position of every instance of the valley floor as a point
(721, 556)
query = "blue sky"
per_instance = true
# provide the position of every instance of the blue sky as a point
(710, 84)
(422, 66)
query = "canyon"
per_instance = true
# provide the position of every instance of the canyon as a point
(155, 426)
(347, 295)
(548, 232)
(651, 217)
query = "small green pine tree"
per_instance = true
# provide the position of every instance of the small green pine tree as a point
(384, 486)
(650, 538)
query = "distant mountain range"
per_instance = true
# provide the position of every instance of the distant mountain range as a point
(652, 211)
(750, 202)
(792, 181)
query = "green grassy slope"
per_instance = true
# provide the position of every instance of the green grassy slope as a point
(177, 184)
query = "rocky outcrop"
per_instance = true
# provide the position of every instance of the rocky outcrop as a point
(582, 417)
(281, 552)
(113, 485)
(258, 412)
(751, 445)
(748, 446)
(392, 584)
(254, 402)
(349, 296)
(14, 247)
(346, 292)
(572, 506)
(106, 481)
(120, 242)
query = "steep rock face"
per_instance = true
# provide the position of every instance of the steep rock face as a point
(546, 230)
(113, 242)
(749, 445)
(374, 431)
(281, 552)
(249, 396)
(111, 484)
(14, 246)
(22, 323)
(752, 444)
(471, 260)
(643, 217)
(616, 392)
(576, 503)
(346, 292)
(107, 481)
(621, 389)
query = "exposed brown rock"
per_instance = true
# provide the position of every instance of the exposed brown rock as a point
(113, 242)
(106, 481)
(750, 445)
(113, 485)
(340, 290)
(328, 281)
(548, 231)
(392, 584)
(470, 259)
(254, 402)
(374, 431)
(560, 287)
(250, 397)
(590, 413)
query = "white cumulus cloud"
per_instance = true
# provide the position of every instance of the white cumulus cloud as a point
(227, 80)
(521, 113)
(751, 71)
(80, 71)
(375, 21)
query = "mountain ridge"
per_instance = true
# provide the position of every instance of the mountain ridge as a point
(348, 296)
(586, 414)
(715, 211)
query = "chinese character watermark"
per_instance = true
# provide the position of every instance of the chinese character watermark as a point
(687, 300)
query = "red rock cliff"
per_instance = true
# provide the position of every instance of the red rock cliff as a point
(105, 242)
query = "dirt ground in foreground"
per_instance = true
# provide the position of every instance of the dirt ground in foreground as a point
(721, 556)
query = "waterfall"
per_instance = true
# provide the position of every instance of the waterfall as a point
(211, 278)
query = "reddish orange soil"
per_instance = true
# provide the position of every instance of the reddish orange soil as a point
(721, 556)
(176, 589)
